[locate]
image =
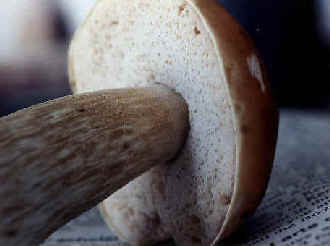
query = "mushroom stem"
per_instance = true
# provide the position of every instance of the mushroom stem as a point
(63, 157)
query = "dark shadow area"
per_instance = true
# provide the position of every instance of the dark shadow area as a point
(23, 85)
(286, 33)
(16, 97)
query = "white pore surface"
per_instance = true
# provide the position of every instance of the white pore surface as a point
(137, 43)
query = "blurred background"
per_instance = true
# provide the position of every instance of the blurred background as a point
(293, 37)
(34, 39)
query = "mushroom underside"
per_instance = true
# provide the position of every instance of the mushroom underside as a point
(139, 43)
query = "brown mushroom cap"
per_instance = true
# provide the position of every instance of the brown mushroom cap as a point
(198, 49)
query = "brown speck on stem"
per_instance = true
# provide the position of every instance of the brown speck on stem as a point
(81, 110)
(181, 9)
(197, 31)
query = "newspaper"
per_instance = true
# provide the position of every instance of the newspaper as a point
(295, 210)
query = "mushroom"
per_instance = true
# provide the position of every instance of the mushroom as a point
(63, 157)
(196, 48)
(175, 88)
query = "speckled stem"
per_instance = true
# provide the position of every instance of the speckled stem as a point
(63, 157)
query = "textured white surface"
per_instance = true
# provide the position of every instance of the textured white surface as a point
(171, 44)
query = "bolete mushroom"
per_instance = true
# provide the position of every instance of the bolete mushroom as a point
(63, 157)
(196, 48)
